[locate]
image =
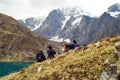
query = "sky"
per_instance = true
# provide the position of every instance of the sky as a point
(21, 9)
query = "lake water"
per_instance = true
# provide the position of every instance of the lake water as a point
(10, 67)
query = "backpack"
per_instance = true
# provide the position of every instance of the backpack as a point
(71, 46)
(40, 57)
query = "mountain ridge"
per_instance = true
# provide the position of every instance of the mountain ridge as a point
(83, 27)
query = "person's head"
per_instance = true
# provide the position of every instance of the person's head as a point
(39, 52)
(74, 41)
(65, 45)
(49, 47)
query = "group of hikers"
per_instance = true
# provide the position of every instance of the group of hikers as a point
(51, 52)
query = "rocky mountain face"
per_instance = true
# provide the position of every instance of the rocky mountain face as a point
(31, 23)
(102, 27)
(114, 8)
(58, 21)
(61, 25)
(74, 23)
(17, 42)
(79, 30)
(52, 24)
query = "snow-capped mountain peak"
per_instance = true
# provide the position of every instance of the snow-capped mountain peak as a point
(114, 10)
(74, 11)
(32, 23)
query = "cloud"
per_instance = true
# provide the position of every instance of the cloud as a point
(96, 7)
(14, 8)
(28, 8)
(45, 3)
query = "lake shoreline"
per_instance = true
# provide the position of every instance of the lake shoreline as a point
(7, 68)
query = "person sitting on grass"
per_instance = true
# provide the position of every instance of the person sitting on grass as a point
(40, 56)
(50, 52)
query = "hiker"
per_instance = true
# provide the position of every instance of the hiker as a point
(50, 52)
(40, 56)
(68, 47)
(65, 49)
(75, 43)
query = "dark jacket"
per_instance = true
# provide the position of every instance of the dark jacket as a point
(75, 43)
(68, 47)
(40, 56)
(51, 53)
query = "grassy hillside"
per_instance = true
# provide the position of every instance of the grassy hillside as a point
(73, 65)
(18, 43)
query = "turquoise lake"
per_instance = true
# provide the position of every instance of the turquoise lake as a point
(10, 67)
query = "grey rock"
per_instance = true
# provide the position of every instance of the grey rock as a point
(110, 73)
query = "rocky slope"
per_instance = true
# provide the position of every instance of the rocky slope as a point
(18, 43)
(99, 60)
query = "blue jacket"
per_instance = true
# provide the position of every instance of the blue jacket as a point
(51, 53)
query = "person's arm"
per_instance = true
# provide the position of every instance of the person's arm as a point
(48, 54)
